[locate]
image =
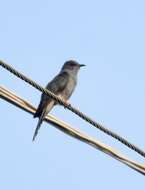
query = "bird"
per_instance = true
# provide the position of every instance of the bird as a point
(62, 85)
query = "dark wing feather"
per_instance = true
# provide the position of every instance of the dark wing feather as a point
(56, 86)
(58, 83)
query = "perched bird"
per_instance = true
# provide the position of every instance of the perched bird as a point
(62, 85)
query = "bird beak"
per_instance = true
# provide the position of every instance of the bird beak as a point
(82, 65)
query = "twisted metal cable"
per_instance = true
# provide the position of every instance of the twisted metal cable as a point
(73, 109)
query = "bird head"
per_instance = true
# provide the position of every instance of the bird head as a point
(72, 66)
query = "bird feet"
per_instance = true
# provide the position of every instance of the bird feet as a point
(66, 101)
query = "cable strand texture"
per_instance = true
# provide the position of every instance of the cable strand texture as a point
(73, 109)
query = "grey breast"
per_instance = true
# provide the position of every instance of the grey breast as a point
(69, 87)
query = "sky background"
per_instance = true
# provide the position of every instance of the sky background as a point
(37, 37)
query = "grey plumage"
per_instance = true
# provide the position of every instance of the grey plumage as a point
(62, 85)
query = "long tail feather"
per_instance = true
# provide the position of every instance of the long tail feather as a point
(39, 124)
(45, 111)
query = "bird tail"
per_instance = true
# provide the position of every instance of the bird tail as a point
(39, 124)
(41, 118)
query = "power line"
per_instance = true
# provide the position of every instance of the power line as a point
(73, 109)
(71, 131)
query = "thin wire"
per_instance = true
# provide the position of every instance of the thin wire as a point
(73, 109)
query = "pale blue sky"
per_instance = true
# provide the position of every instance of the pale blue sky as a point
(36, 37)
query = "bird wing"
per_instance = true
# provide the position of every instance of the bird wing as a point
(57, 85)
